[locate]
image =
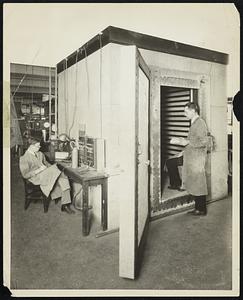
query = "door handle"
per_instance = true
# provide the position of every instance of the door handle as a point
(147, 162)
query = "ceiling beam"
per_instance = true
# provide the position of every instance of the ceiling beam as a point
(127, 37)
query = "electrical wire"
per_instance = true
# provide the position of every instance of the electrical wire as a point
(31, 111)
(75, 97)
(13, 94)
(101, 115)
(67, 93)
(87, 73)
(25, 74)
(65, 97)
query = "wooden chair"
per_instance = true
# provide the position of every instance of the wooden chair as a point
(34, 193)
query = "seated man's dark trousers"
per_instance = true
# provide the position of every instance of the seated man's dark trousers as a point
(172, 167)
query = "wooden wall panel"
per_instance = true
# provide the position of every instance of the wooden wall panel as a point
(87, 83)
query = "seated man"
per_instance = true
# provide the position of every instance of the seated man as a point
(38, 171)
(174, 176)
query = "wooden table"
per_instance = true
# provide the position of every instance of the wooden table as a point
(89, 178)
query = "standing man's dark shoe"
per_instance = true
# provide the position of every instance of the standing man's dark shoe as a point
(196, 212)
(199, 213)
(66, 208)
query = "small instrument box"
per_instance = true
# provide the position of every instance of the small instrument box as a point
(92, 152)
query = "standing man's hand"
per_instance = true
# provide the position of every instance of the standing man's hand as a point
(179, 141)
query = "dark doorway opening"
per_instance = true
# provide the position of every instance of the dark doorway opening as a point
(173, 124)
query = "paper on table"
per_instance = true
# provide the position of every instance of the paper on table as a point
(178, 141)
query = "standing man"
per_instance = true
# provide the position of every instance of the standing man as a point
(194, 159)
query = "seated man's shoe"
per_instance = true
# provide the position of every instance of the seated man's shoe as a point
(57, 199)
(66, 208)
(70, 208)
(198, 213)
(181, 189)
(173, 187)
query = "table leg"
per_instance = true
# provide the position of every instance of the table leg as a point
(85, 209)
(104, 204)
